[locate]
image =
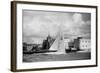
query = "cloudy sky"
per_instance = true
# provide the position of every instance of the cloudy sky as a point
(41, 23)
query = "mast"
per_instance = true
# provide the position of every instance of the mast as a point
(61, 48)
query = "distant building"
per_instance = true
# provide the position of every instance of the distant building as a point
(37, 40)
(66, 41)
(48, 42)
(85, 43)
(29, 47)
(77, 43)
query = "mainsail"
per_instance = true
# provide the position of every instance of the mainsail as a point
(58, 44)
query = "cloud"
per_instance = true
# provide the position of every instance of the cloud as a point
(41, 23)
(78, 26)
(77, 17)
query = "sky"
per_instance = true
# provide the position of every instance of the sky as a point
(38, 24)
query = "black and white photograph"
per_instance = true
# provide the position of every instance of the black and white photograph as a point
(53, 36)
(56, 36)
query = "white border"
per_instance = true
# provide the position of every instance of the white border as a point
(21, 65)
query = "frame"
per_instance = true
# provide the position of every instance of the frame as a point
(46, 36)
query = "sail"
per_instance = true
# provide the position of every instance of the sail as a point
(58, 45)
(55, 44)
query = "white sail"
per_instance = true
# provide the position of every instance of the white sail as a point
(55, 45)
(58, 44)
